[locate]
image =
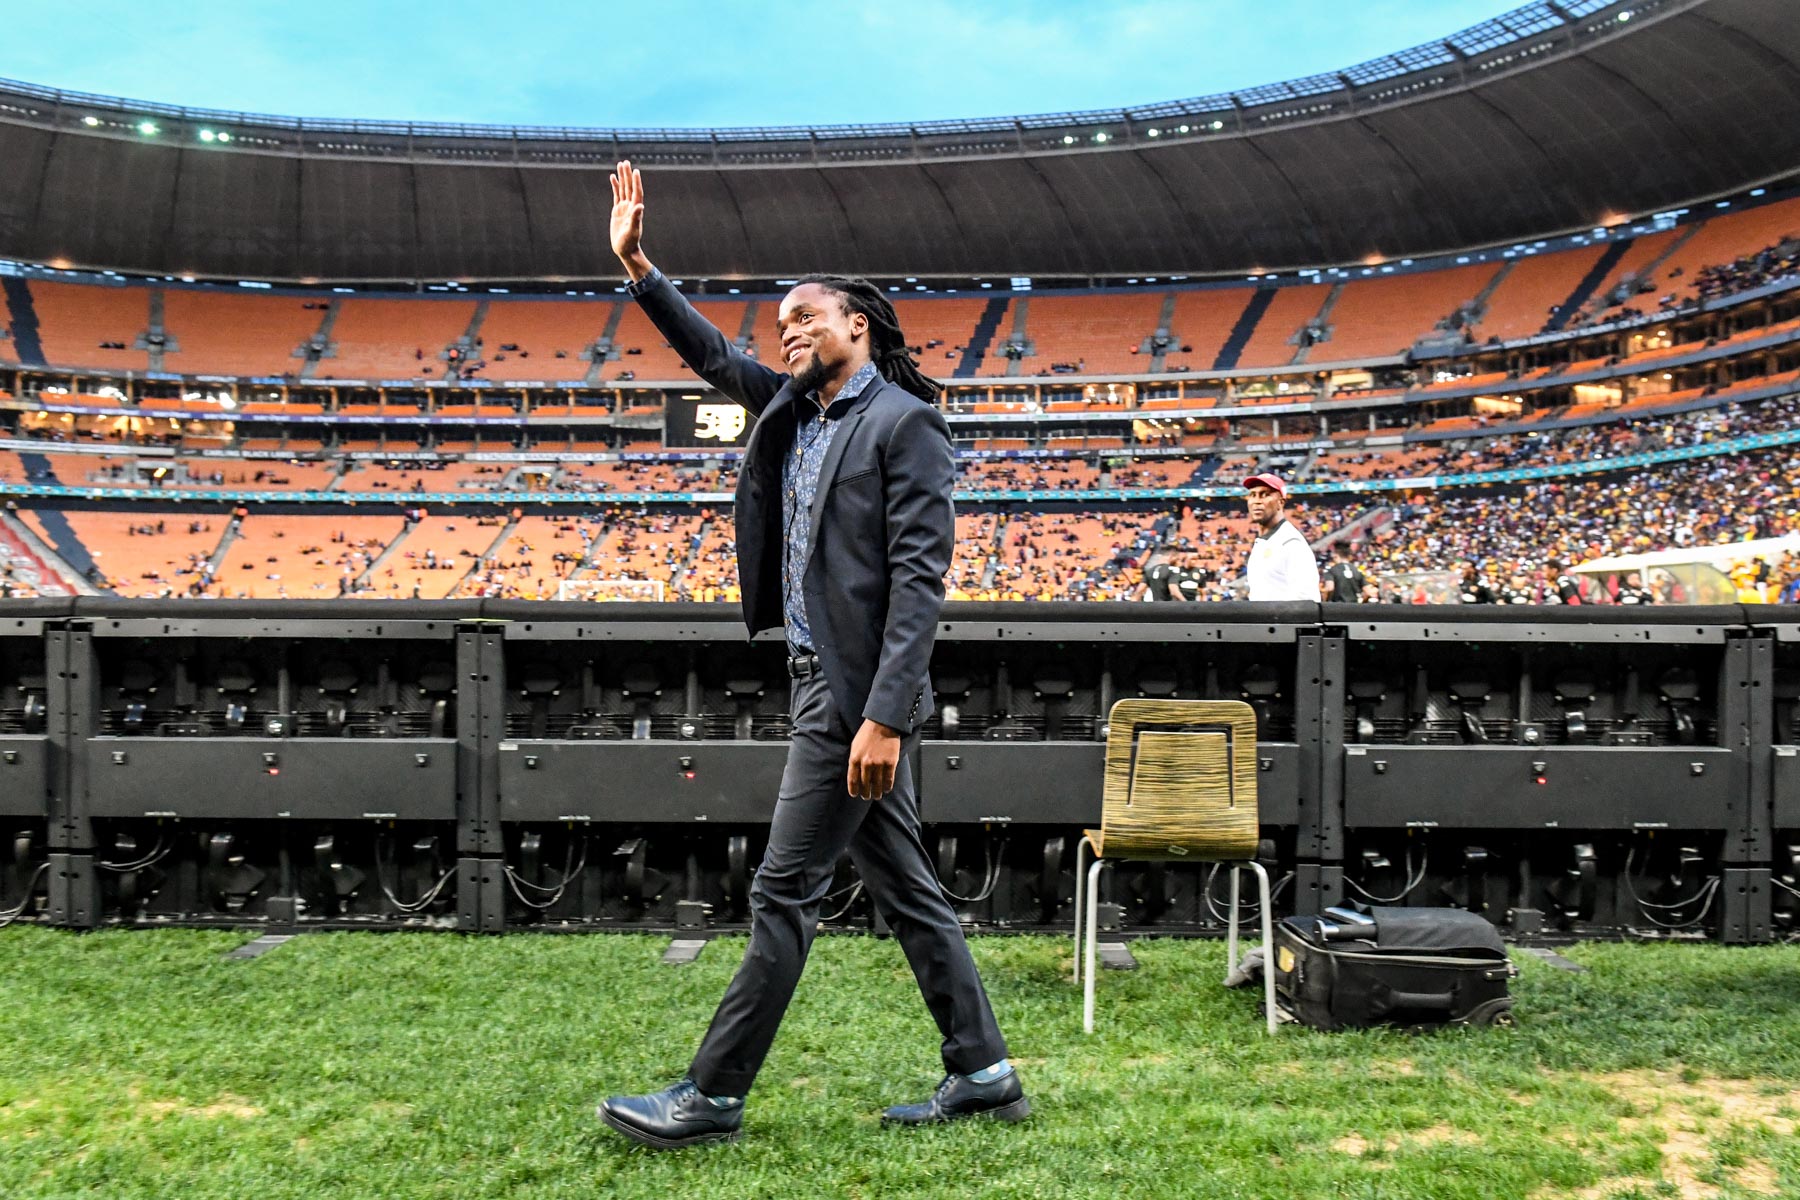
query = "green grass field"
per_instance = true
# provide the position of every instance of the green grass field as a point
(144, 1064)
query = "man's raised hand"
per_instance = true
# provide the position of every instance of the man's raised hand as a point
(628, 220)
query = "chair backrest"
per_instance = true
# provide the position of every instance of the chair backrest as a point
(1180, 780)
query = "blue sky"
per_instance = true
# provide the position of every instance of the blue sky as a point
(694, 63)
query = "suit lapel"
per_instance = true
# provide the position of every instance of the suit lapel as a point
(834, 457)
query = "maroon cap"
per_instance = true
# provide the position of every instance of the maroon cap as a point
(1272, 482)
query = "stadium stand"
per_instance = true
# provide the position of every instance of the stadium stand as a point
(302, 557)
(1202, 320)
(1268, 341)
(92, 326)
(393, 339)
(1372, 318)
(548, 335)
(433, 556)
(1531, 291)
(641, 354)
(214, 330)
(1072, 334)
(217, 332)
(1671, 383)
(939, 330)
(143, 554)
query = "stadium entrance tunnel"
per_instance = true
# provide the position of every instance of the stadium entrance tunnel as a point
(495, 765)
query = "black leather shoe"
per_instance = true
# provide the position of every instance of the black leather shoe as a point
(674, 1117)
(1002, 1099)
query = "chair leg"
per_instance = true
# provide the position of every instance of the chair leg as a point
(1093, 943)
(1268, 941)
(1268, 936)
(1081, 848)
(1231, 926)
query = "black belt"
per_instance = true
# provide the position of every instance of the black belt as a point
(799, 666)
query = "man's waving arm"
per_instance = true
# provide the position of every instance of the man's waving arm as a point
(698, 342)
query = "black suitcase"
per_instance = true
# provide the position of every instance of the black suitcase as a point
(1416, 967)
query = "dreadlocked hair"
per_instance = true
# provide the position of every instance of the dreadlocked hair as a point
(887, 344)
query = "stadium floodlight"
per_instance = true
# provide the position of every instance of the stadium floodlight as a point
(1182, 129)
(90, 122)
(1068, 139)
(148, 128)
(1625, 16)
(1218, 124)
(1101, 136)
(1152, 132)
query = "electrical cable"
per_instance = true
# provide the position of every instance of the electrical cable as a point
(990, 876)
(855, 890)
(8, 916)
(1213, 905)
(1412, 882)
(425, 899)
(571, 869)
(149, 860)
(1708, 892)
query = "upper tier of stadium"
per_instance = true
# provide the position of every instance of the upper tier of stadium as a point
(1550, 118)
(139, 332)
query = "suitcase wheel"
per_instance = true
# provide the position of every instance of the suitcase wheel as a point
(1492, 1012)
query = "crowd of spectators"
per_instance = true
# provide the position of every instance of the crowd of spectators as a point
(1752, 271)
(1709, 283)
(1525, 539)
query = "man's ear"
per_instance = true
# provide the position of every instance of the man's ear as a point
(859, 324)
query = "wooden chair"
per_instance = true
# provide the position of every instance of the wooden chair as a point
(1180, 786)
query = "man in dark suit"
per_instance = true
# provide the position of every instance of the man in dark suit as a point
(844, 532)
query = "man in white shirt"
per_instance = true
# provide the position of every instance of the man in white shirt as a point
(1282, 566)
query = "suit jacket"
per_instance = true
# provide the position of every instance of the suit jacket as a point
(882, 523)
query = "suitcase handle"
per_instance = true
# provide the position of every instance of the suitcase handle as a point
(1390, 1001)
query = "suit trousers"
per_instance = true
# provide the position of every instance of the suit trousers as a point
(816, 821)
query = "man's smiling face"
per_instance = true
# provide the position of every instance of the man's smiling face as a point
(819, 336)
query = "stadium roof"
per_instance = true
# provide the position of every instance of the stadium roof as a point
(1556, 116)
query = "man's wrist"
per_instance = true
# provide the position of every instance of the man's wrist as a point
(637, 267)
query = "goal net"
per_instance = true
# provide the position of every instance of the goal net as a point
(610, 589)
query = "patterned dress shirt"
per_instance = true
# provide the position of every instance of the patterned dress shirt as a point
(799, 486)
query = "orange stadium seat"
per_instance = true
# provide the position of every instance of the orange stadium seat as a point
(1535, 286)
(1270, 345)
(1637, 257)
(1385, 315)
(433, 557)
(1100, 335)
(550, 336)
(948, 321)
(226, 333)
(74, 320)
(714, 569)
(393, 339)
(644, 353)
(1724, 238)
(295, 557)
(975, 544)
(143, 564)
(1203, 319)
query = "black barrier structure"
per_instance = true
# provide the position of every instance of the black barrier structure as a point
(490, 765)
